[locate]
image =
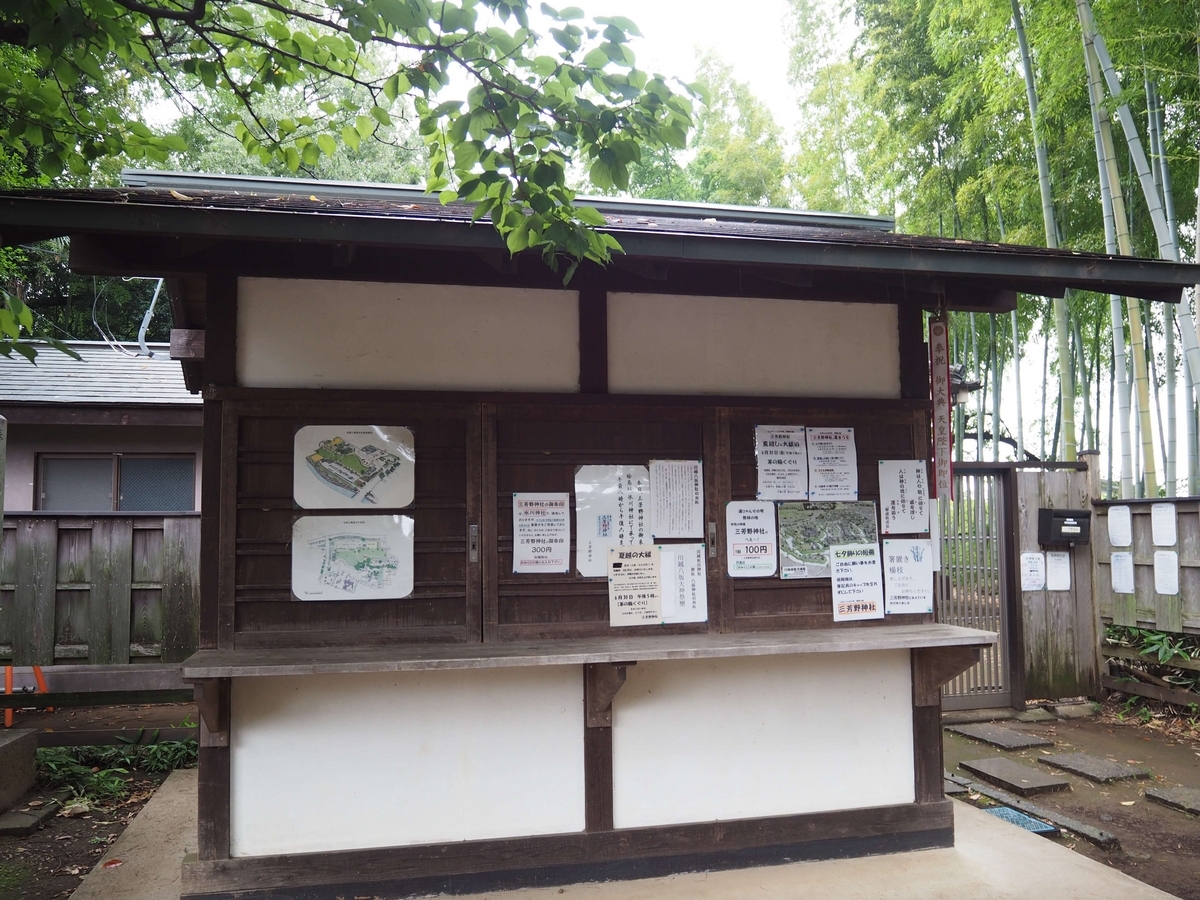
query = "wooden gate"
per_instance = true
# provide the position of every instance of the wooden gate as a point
(101, 588)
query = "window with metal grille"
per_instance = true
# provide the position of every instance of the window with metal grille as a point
(117, 481)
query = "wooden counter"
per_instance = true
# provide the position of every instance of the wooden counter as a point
(208, 664)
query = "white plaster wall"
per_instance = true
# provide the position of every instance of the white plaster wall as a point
(26, 441)
(668, 344)
(381, 760)
(348, 334)
(708, 740)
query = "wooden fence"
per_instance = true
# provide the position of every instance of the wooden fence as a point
(105, 588)
(1146, 608)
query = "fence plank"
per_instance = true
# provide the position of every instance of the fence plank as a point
(112, 571)
(180, 588)
(33, 599)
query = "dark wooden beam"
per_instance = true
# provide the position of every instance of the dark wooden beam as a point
(64, 414)
(601, 682)
(187, 343)
(914, 357)
(593, 339)
(220, 350)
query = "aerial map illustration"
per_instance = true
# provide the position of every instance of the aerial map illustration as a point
(808, 530)
(351, 465)
(366, 558)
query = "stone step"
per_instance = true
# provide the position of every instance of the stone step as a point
(1185, 799)
(1094, 768)
(1015, 777)
(1001, 736)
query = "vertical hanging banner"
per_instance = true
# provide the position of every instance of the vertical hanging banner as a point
(676, 498)
(782, 457)
(541, 533)
(943, 430)
(903, 496)
(832, 464)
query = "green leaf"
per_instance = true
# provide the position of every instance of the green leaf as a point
(351, 137)
(447, 196)
(589, 215)
(291, 158)
(381, 116)
(327, 144)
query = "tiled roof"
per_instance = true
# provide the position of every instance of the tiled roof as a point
(104, 377)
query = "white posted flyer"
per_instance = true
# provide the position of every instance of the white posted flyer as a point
(676, 498)
(1033, 571)
(782, 457)
(541, 533)
(751, 542)
(908, 575)
(634, 586)
(832, 464)
(903, 496)
(612, 509)
(684, 583)
(1122, 572)
(1120, 526)
(857, 582)
(1162, 524)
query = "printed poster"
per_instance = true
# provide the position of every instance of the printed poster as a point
(541, 533)
(1033, 571)
(1122, 572)
(612, 509)
(808, 530)
(676, 498)
(1120, 526)
(342, 558)
(1058, 570)
(903, 496)
(751, 546)
(908, 575)
(348, 466)
(684, 583)
(1162, 524)
(1166, 572)
(782, 457)
(857, 582)
(634, 586)
(832, 464)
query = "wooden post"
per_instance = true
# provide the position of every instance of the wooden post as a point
(33, 600)
(112, 575)
(180, 588)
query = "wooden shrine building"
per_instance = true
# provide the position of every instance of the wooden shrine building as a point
(471, 727)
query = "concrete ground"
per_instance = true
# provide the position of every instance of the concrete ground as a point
(991, 860)
(151, 849)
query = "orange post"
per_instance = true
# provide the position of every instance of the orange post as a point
(41, 683)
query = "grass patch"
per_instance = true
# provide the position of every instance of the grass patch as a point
(12, 876)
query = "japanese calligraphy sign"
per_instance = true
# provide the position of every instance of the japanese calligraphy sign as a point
(908, 575)
(782, 457)
(832, 464)
(612, 509)
(634, 586)
(541, 532)
(684, 583)
(857, 582)
(943, 398)
(751, 542)
(903, 496)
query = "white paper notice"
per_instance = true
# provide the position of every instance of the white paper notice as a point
(751, 545)
(857, 582)
(1162, 524)
(1120, 528)
(1058, 570)
(1122, 573)
(684, 585)
(1033, 571)
(612, 509)
(364, 558)
(832, 464)
(908, 575)
(347, 466)
(634, 586)
(903, 496)
(541, 533)
(782, 457)
(676, 498)
(1166, 572)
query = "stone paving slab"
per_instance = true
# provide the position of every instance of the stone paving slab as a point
(26, 819)
(1094, 768)
(1000, 736)
(949, 788)
(1037, 714)
(1182, 798)
(1015, 777)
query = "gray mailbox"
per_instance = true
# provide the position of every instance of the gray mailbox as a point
(1064, 526)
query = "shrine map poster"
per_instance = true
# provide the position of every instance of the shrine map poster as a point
(353, 467)
(344, 558)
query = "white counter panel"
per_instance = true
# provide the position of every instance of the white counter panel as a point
(378, 760)
(668, 344)
(296, 333)
(713, 739)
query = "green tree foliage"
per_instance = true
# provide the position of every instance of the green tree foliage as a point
(503, 110)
